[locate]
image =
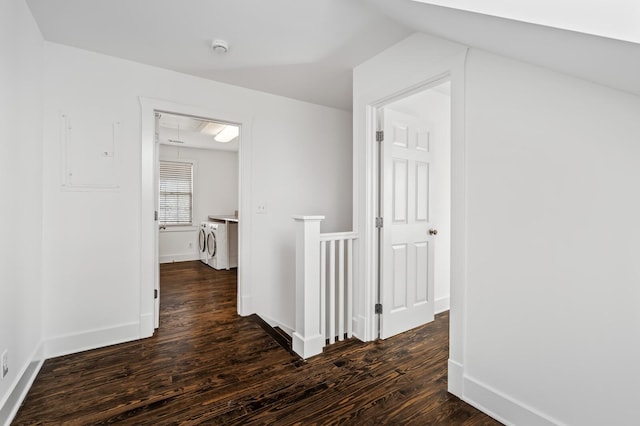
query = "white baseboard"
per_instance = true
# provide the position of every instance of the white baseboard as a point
(72, 343)
(309, 346)
(247, 308)
(442, 304)
(502, 407)
(455, 378)
(358, 327)
(273, 323)
(146, 325)
(58, 346)
(20, 387)
(178, 257)
(493, 402)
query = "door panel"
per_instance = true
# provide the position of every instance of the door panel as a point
(422, 140)
(400, 135)
(422, 192)
(407, 285)
(400, 190)
(422, 272)
(399, 277)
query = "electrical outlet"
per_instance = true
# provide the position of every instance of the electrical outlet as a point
(262, 209)
(4, 364)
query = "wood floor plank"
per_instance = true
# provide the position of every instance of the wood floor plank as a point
(207, 365)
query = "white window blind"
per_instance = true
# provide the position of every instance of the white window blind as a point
(176, 193)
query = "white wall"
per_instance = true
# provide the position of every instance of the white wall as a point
(215, 191)
(21, 211)
(553, 268)
(550, 302)
(300, 161)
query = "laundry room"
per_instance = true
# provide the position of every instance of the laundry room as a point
(197, 190)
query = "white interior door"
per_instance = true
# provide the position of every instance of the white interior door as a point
(406, 244)
(156, 199)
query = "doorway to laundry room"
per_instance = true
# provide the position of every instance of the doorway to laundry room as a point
(197, 197)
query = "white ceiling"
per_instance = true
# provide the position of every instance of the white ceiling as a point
(413, 104)
(301, 49)
(307, 49)
(189, 132)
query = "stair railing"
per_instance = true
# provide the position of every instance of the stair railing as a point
(324, 286)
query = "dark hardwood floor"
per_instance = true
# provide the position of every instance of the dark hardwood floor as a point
(207, 365)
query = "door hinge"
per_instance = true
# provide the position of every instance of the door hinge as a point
(155, 293)
(378, 308)
(379, 222)
(379, 135)
(155, 215)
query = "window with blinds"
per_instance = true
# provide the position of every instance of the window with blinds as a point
(176, 193)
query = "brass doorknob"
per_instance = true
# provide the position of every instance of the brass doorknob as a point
(433, 232)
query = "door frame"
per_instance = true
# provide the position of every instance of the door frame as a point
(148, 225)
(365, 201)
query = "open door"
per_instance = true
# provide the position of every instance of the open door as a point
(156, 203)
(407, 236)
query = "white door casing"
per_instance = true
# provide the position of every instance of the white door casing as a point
(156, 250)
(407, 247)
(149, 227)
(395, 82)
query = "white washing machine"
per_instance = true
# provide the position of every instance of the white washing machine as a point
(202, 242)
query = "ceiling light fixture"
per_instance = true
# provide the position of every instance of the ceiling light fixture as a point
(220, 46)
(227, 134)
(176, 140)
(212, 128)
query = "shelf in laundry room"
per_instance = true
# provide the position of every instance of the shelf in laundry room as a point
(224, 218)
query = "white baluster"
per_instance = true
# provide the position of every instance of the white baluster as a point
(332, 291)
(323, 288)
(341, 290)
(349, 288)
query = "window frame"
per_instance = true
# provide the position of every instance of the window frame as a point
(191, 193)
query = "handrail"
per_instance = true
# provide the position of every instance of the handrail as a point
(337, 236)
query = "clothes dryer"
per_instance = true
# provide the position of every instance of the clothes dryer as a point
(216, 245)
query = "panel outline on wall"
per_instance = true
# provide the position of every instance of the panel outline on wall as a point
(67, 181)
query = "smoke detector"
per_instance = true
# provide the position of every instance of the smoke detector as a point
(220, 46)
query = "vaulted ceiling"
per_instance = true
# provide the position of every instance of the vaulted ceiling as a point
(307, 49)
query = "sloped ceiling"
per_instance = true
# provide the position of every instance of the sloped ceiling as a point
(617, 19)
(307, 49)
(613, 63)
